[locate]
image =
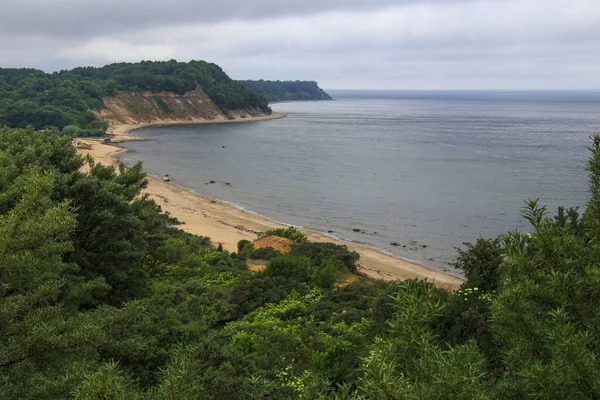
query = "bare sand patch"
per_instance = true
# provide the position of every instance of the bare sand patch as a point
(275, 242)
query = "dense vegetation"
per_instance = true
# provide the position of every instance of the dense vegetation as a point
(53, 101)
(103, 297)
(287, 90)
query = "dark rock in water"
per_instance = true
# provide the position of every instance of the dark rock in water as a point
(395, 244)
(424, 246)
(329, 231)
(223, 147)
(374, 233)
(228, 184)
(212, 182)
(403, 245)
(355, 229)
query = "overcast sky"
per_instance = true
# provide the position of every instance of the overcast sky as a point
(362, 44)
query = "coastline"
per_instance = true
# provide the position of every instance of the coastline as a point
(122, 132)
(226, 224)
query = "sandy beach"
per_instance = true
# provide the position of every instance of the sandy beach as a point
(122, 133)
(227, 225)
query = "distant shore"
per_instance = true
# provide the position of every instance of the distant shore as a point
(227, 225)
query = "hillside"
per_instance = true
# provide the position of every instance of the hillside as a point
(77, 97)
(103, 297)
(145, 107)
(287, 90)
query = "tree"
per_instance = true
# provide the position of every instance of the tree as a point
(481, 263)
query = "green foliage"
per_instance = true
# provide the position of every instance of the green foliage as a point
(481, 263)
(264, 253)
(66, 98)
(321, 252)
(291, 233)
(298, 268)
(101, 296)
(326, 274)
(287, 90)
(241, 245)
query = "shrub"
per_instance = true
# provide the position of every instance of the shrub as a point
(264, 253)
(289, 233)
(326, 274)
(480, 263)
(320, 252)
(241, 245)
(289, 266)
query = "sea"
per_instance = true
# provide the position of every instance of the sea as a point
(412, 173)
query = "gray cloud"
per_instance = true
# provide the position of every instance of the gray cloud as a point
(91, 17)
(479, 44)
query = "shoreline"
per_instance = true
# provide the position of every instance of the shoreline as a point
(227, 224)
(122, 133)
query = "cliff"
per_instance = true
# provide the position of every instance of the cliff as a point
(286, 90)
(146, 107)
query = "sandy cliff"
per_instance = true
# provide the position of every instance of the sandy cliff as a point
(146, 107)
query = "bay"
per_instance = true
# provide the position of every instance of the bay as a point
(428, 170)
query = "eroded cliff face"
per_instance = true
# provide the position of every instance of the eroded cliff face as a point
(134, 108)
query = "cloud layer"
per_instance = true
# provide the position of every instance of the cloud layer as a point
(512, 44)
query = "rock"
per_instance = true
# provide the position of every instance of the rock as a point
(228, 184)
(212, 182)
(374, 233)
(403, 245)
(223, 147)
(356, 229)
(424, 246)
(395, 244)
(329, 231)
(213, 201)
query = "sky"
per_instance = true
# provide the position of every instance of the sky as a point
(342, 44)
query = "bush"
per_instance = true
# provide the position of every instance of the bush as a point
(480, 263)
(71, 130)
(326, 274)
(264, 253)
(289, 266)
(241, 245)
(320, 252)
(289, 233)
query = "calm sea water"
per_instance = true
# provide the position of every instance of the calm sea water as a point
(430, 169)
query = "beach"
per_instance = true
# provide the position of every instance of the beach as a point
(227, 225)
(121, 133)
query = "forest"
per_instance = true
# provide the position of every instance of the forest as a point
(67, 98)
(102, 296)
(287, 90)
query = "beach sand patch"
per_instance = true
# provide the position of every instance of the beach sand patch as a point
(276, 242)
